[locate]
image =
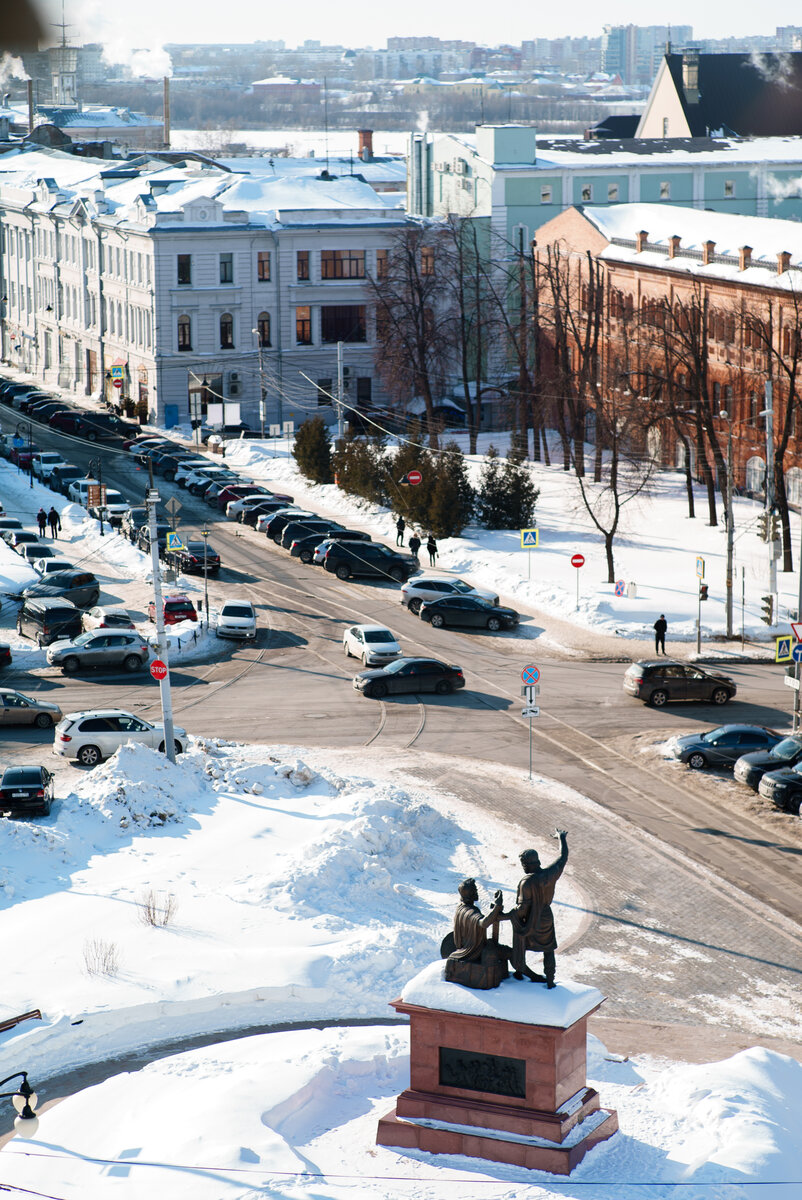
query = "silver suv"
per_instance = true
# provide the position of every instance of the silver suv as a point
(90, 737)
(100, 648)
(420, 591)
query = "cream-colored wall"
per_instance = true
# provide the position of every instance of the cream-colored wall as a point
(663, 102)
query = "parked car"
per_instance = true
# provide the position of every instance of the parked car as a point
(238, 491)
(45, 461)
(660, 681)
(91, 736)
(81, 587)
(275, 526)
(207, 474)
(170, 462)
(9, 525)
(409, 675)
(263, 521)
(33, 551)
(470, 612)
(236, 619)
(17, 538)
(104, 648)
(301, 528)
(106, 616)
(345, 559)
(303, 546)
(199, 558)
(62, 477)
(374, 644)
(175, 609)
(264, 506)
(26, 790)
(46, 565)
(722, 746)
(432, 587)
(143, 537)
(235, 507)
(188, 467)
(200, 482)
(18, 709)
(783, 788)
(78, 491)
(750, 768)
(114, 509)
(22, 453)
(44, 619)
(342, 535)
(5, 655)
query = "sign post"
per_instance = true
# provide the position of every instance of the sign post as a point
(529, 540)
(578, 561)
(530, 677)
(289, 429)
(152, 499)
(700, 574)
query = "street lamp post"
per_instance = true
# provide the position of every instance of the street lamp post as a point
(24, 1100)
(258, 333)
(205, 536)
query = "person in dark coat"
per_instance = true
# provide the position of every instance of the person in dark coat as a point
(54, 521)
(400, 526)
(41, 521)
(414, 544)
(660, 627)
(431, 546)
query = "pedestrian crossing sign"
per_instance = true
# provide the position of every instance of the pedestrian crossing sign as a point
(173, 542)
(529, 538)
(783, 649)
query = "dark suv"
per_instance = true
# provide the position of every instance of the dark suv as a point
(344, 559)
(663, 680)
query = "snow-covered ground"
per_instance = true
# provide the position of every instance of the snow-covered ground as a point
(284, 889)
(656, 550)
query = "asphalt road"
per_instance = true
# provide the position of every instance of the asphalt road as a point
(294, 687)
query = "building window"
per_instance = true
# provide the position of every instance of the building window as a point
(665, 126)
(342, 264)
(612, 192)
(184, 269)
(364, 392)
(665, 190)
(226, 331)
(342, 323)
(184, 333)
(729, 188)
(226, 268)
(381, 264)
(755, 474)
(586, 192)
(545, 195)
(263, 266)
(324, 393)
(302, 264)
(303, 321)
(263, 328)
(426, 262)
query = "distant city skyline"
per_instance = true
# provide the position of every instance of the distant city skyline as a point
(203, 21)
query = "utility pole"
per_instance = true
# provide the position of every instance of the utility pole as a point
(261, 382)
(768, 413)
(205, 536)
(340, 388)
(730, 526)
(152, 499)
(796, 664)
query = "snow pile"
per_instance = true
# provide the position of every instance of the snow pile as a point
(141, 787)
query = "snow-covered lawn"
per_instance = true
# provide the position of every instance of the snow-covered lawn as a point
(656, 551)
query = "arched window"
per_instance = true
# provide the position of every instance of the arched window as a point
(793, 486)
(226, 331)
(263, 328)
(184, 333)
(755, 474)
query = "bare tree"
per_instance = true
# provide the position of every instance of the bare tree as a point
(466, 274)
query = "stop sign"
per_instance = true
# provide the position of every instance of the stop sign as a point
(158, 669)
(414, 477)
(577, 560)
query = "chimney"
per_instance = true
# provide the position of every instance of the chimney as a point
(640, 241)
(673, 245)
(690, 75)
(708, 250)
(783, 262)
(744, 257)
(166, 93)
(365, 144)
(30, 106)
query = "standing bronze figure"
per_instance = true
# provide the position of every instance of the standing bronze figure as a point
(531, 920)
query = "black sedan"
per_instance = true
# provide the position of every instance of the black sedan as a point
(723, 746)
(197, 559)
(783, 788)
(751, 768)
(26, 790)
(469, 611)
(410, 675)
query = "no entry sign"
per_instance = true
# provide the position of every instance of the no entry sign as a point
(577, 560)
(414, 477)
(158, 669)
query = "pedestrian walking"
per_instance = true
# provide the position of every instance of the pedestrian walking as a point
(41, 521)
(414, 544)
(54, 521)
(400, 526)
(660, 627)
(431, 546)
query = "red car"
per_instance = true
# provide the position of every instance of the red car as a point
(176, 608)
(5, 654)
(22, 455)
(235, 490)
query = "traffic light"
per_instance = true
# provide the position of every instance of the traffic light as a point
(774, 528)
(702, 591)
(763, 526)
(767, 606)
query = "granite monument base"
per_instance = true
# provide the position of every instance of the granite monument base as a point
(498, 1075)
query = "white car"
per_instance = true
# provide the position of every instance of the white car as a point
(92, 736)
(44, 463)
(46, 566)
(321, 550)
(79, 490)
(186, 468)
(418, 591)
(235, 507)
(266, 518)
(34, 551)
(374, 644)
(205, 475)
(237, 619)
(114, 509)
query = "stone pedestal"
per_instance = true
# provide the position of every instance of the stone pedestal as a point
(498, 1075)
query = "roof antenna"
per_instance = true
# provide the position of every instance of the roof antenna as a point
(668, 41)
(326, 118)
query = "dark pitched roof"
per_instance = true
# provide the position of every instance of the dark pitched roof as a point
(749, 95)
(616, 125)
